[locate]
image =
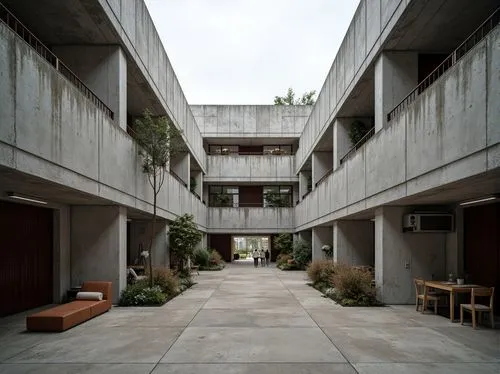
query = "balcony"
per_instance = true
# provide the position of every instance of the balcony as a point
(250, 220)
(250, 168)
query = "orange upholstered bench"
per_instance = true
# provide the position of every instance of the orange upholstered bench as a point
(65, 316)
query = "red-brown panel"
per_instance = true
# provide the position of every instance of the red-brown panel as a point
(251, 196)
(25, 257)
(222, 243)
(482, 247)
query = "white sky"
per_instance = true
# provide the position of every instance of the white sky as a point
(248, 51)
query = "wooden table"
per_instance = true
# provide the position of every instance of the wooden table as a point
(450, 287)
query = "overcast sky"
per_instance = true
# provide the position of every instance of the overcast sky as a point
(248, 51)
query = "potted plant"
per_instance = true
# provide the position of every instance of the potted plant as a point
(327, 250)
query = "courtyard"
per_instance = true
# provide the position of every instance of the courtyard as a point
(247, 320)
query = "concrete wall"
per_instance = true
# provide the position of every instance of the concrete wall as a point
(400, 257)
(250, 220)
(99, 246)
(62, 253)
(140, 236)
(49, 130)
(139, 38)
(354, 242)
(322, 162)
(321, 235)
(251, 120)
(449, 133)
(372, 23)
(268, 168)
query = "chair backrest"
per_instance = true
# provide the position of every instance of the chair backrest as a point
(482, 292)
(419, 285)
(98, 286)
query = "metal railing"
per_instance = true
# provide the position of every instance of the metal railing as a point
(172, 173)
(324, 177)
(195, 194)
(358, 145)
(246, 205)
(478, 35)
(307, 193)
(22, 31)
(250, 154)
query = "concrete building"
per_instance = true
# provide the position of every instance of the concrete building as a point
(423, 78)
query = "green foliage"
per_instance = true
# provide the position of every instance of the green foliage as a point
(289, 99)
(288, 266)
(223, 200)
(282, 259)
(327, 250)
(283, 243)
(166, 280)
(275, 200)
(184, 236)
(140, 294)
(357, 130)
(193, 184)
(302, 252)
(201, 257)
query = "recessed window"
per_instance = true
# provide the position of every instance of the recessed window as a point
(224, 196)
(277, 196)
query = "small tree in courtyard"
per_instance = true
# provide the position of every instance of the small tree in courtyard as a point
(184, 236)
(283, 243)
(160, 141)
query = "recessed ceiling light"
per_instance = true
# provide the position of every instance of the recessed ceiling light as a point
(16, 196)
(479, 200)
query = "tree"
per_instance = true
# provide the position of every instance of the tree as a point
(302, 252)
(283, 243)
(159, 140)
(289, 99)
(184, 236)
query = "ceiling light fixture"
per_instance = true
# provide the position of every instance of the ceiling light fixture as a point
(479, 200)
(13, 195)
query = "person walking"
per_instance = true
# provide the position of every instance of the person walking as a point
(262, 258)
(267, 255)
(256, 256)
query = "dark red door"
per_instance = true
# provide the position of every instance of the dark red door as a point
(482, 247)
(25, 257)
(251, 196)
(222, 243)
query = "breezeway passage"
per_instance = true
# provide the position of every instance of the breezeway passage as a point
(247, 320)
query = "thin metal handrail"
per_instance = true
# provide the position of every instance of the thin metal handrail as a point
(179, 179)
(324, 177)
(23, 32)
(358, 145)
(479, 34)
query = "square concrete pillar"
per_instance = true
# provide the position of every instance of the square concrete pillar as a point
(103, 69)
(198, 178)
(140, 237)
(396, 75)
(354, 242)
(341, 141)
(321, 235)
(400, 257)
(303, 183)
(322, 162)
(181, 165)
(99, 246)
(62, 253)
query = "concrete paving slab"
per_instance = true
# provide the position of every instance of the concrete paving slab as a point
(400, 344)
(252, 318)
(462, 368)
(228, 344)
(254, 368)
(249, 303)
(91, 345)
(357, 317)
(76, 368)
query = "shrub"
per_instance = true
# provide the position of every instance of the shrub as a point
(215, 258)
(302, 252)
(283, 243)
(353, 286)
(201, 257)
(288, 266)
(166, 280)
(320, 271)
(282, 259)
(140, 294)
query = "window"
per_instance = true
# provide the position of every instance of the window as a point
(223, 196)
(222, 149)
(278, 196)
(277, 149)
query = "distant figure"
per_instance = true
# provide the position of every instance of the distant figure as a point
(267, 255)
(262, 258)
(256, 256)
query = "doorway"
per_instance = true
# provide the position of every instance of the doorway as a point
(242, 246)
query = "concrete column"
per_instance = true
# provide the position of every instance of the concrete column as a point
(455, 245)
(396, 75)
(322, 162)
(62, 253)
(140, 236)
(400, 257)
(181, 165)
(198, 177)
(321, 235)
(99, 246)
(341, 141)
(103, 69)
(303, 181)
(354, 242)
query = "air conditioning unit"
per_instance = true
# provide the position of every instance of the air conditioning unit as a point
(428, 222)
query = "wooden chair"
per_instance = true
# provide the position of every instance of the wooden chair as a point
(480, 308)
(420, 294)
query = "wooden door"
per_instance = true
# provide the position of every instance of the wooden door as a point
(25, 257)
(250, 196)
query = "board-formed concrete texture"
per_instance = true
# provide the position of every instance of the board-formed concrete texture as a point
(228, 325)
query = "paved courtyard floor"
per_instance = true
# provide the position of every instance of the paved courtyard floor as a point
(246, 320)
